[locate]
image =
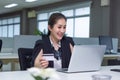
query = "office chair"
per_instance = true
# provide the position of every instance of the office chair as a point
(1, 64)
(0, 45)
(25, 56)
(118, 50)
(106, 40)
(0, 51)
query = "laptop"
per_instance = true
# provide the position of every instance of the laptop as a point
(85, 58)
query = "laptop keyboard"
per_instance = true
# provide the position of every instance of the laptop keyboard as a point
(62, 69)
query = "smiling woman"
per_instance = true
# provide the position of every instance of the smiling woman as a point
(55, 42)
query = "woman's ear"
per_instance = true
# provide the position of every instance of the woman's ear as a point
(49, 28)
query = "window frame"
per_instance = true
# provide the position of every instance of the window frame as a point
(69, 7)
(8, 24)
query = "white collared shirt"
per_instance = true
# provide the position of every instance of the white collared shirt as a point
(57, 63)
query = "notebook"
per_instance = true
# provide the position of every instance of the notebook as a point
(85, 58)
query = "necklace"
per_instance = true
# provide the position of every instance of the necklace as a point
(55, 45)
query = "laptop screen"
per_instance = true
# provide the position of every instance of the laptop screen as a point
(86, 58)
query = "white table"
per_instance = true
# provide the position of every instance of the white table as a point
(24, 75)
(110, 56)
(9, 58)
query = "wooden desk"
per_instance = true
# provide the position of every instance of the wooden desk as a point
(16, 75)
(13, 59)
(108, 57)
(9, 58)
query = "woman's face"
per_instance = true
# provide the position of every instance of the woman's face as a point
(58, 30)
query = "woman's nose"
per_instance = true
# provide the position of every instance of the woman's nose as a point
(63, 30)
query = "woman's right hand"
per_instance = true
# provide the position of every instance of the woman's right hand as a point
(43, 63)
(40, 61)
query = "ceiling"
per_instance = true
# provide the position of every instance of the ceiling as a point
(22, 4)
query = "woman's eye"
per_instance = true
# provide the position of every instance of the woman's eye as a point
(65, 27)
(59, 27)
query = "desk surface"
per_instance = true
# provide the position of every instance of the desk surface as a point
(15, 55)
(112, 55)
(8, 56)
(24, 75)
(13, 58)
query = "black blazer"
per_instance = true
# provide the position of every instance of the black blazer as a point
(47, 48)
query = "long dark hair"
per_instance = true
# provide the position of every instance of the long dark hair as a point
(53, 19)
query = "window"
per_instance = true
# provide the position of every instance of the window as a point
(78, 19)
(10, 27)
(82, 27)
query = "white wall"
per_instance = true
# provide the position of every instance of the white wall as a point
(28, 41)
(25, 41)
(7, 44)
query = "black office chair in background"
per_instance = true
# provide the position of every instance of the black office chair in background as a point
(1, 64)
(106, 40)
(0, 51)
(25, 56)
(0, 45)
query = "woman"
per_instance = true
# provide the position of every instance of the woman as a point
(55, 42)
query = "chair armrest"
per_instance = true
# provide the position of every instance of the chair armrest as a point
(1, 64)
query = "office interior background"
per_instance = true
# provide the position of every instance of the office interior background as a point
(85, 18)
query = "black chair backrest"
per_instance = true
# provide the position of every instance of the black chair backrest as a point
(1, 64)
(106, 40)
(0, 45)
(25, 57)
(0, 51)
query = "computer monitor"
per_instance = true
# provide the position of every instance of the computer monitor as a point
(106, 40)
